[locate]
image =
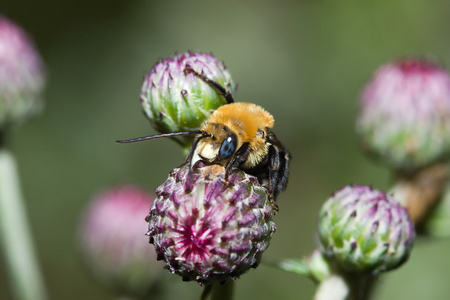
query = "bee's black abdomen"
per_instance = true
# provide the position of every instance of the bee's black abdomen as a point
(273, 171)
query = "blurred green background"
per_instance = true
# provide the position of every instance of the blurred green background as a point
(304, 61)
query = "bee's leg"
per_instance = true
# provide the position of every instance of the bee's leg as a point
(274, 167)
(219, 88)
(239, 158)
(284, 170)
(194, 147)
(278, 172)
(273, 203)
(278, 165)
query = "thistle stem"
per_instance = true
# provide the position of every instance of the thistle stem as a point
(206, 291)
(349, 286)
(223, 291)
(420, 191)
(333, 288)
(361, 285)
(15, 236)
(218, 291)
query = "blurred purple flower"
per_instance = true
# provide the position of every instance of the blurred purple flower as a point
(113, 243)
(404, 114)
(22, 75)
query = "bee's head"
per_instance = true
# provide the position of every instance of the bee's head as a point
(216, 144)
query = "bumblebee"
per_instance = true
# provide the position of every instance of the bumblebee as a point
(237, 135)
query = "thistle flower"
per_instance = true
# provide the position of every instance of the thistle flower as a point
(21, 75)
(112, 240)
(404, 114)
(208, 229)
(174, 101)
(362, 229)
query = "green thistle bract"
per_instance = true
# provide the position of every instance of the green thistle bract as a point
(362, 229)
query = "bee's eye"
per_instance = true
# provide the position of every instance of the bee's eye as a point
(228, 146)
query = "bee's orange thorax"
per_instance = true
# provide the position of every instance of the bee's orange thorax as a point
(242, 118)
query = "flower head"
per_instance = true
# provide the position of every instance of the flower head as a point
(175, 101)
(208, 229)
(21, 75)
(363, 229)
(405, 114)
(112, 240)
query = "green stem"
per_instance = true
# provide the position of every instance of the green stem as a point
(218, 291)
(346, 286)
(15, 236)
(361, 285)
(334, 287)
(223, 291)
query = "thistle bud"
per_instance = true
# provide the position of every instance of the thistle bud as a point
(362, 229)
(176, 101)
(113, 244)
(404, 114)
(21, 75)
(207, 228)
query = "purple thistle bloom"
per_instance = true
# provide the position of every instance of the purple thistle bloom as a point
(174, 101)
(404, 116)
(22, 75)
(363, 229)
(112, 242)
(207, 229)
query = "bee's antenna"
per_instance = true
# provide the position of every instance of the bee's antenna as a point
(220, 89)
(157, 136)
